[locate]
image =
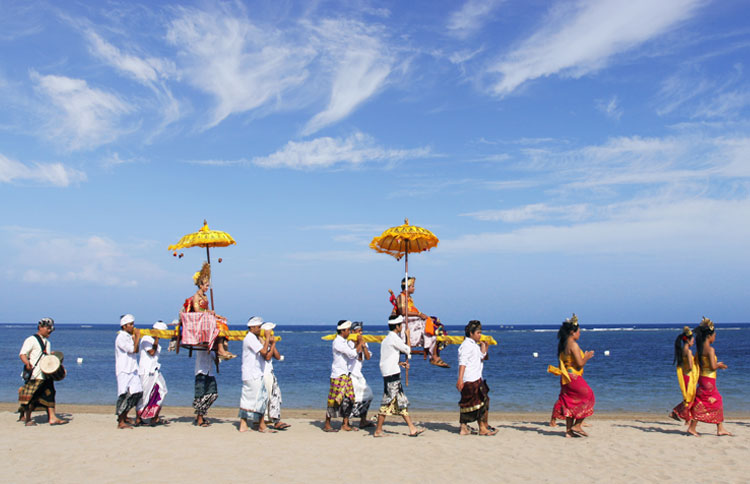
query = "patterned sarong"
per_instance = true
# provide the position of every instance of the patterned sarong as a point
(273, 409)
(362, 396)
(708, 406)
(198, 328)
(685, 409)
(126, 401)
(576, 400)
(340, 397)
(394, 401)
(36, 393)
(475, 401)
(155, 389)
(206, 393)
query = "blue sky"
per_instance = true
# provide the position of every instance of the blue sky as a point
(587, 156)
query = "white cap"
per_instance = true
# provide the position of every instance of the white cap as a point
(267, 325)
(397, 320)
(345, 325)
(254, 321)
(126, 319)
(160, 325)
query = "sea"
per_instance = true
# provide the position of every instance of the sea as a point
(631, 371)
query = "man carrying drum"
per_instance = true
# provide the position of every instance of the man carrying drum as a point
(38, 389)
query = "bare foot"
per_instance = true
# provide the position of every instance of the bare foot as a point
(693, 433)
(378, 434)
(416, 432)
(726, 432)
(328, 428)
(464, 432)
(349, 428)
(488, 432)
(30, 423)
(58, 421)
(552, 422)
(570, 434)
(579, 431)
(124, 425)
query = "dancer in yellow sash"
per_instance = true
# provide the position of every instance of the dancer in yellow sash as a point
(687, 375)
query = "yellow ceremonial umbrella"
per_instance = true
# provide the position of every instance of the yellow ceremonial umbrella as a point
(207, 238)
(402, 240)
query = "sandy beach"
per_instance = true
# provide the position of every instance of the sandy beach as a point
(621, 448)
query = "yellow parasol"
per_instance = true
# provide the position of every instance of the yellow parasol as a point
(207, 238)
(404, 240)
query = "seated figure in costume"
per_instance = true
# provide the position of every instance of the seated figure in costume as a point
(199, 303)
(708, 405)
(576, 399)
(419, 329)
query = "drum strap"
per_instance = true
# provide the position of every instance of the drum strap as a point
(44, 351)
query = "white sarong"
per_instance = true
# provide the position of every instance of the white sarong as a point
(362, 396)
(129, 383)
(154, 391)
(253, 399)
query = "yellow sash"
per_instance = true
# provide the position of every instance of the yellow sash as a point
(169, 334)
(376, 338)
(688, 393)
(564, 371)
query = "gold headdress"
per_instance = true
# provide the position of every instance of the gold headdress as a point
(707, 323)
(203, 275)
(687, 332)
(573, 320)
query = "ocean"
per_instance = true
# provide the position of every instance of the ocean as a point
(637, 376)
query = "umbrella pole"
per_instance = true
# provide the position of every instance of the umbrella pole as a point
(406, 310)
(211, 288)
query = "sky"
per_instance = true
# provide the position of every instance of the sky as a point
(571, 156)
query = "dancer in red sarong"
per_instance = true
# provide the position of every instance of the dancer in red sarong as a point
(199, 303)
(687, 375)
(576, 400)
(708, 405)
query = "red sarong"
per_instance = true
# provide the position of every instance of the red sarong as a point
(708, 405)
(576, 400)
(684, 409)
(198, 328)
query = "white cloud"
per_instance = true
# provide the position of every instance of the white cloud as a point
(144, 70)
(243, 66)
(85, 117)
(55, 174)
(362, 64)
(533, 212)
(692, 225)
(471, 17)
(610, 108)
(325, 152)
(581, 38)
(46, 257)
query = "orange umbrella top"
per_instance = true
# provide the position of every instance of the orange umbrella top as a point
(397, 241)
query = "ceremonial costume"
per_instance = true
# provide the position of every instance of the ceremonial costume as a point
(394, 400)
(417, 328)
(206, 391)
(254, 397)
(129, 388)
(688, 381)
(152, 380)
(38, 391)
(273, 393)
(341, 392)
(576, 399)
(708, 405)
(362, 392)
(475, 400)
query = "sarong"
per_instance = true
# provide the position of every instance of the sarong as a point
(206, 393)
(475, 401)
(684, 409)
(708, 405)
(362, 396)
(273, 394)
(154, 391)
(576, 400)
(36, 393)
(418, 337)
(394, 401)
(340, 397)
(126, 401)
(253, 400)
(129, 383)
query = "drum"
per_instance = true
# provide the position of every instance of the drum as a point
(51, 366)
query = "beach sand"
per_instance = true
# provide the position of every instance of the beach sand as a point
(621, 448)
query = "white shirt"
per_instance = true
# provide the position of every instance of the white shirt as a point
(33, 352)
(253, 362)
(471, 356)
(390, 351)
(356, 368)
(204, 363)
(126, 361)
(342, 356)
(147, 364)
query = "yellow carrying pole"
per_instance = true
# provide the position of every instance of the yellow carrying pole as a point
(169, 334)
